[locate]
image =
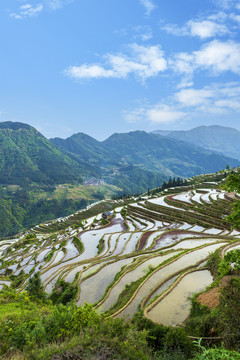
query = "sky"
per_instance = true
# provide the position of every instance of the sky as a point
(106, 66)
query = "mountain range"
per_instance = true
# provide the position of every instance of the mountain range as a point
(147, 151)
(222, 139)
(32, 169)
(133, 161)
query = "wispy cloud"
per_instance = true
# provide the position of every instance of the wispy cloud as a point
(143, 32)
(214, 98)
(27, 10)
(226, 4)
(156, 114)
(142, 61)
(189, 103)
(30, 10)
(57, 4)
(149, 6)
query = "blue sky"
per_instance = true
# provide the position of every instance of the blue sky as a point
(105, 66)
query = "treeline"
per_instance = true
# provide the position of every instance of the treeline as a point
(172, 182)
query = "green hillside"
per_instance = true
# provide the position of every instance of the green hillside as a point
(27, 157)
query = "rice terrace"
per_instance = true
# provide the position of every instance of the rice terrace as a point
(149, 252)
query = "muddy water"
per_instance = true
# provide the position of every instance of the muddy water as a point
(158, 277)
(162, 288)
(175, 307)
(92, 289)
(134, 275)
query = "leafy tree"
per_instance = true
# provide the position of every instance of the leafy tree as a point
(229, 314)
(232, 183)
(35, 288)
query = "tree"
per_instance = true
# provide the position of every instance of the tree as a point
(35, 288)
(232, 183)
(229, 314)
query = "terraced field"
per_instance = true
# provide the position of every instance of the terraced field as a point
(150, 254)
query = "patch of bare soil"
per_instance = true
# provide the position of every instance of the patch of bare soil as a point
(210, 298)
(143, 239)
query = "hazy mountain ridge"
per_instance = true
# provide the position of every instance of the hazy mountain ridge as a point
(222, 139)
(148, 151)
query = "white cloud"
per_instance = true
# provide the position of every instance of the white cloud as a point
(164, 114)
(215, 56)
(198, 28)
(27, 10)
(156, 114)
(193, 97)
(206, 28)
(143, 62)
(215, 99)
(219, 56)
(149, 6)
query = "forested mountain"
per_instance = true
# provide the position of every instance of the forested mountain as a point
(225, 140)
(26, 156)
(150, 152)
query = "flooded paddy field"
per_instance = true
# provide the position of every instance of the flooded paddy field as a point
(151, 242)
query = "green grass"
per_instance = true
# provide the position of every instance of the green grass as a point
(79, 245)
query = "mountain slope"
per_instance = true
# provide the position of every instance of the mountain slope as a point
(217, 138)
(27, 157)
(85, 148)
(148, 152)
(165, 155)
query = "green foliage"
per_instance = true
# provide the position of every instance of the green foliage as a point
(17, 280)
(79, 245)
(101, 245)
(104, 222)
(229, 314)
(52, 330)
(215, 353)
(49, 256)
(63, 292)
(170, 343)
(232, 183)
(213, 263)
(230, 263)
(35, 288)
(234, 218)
